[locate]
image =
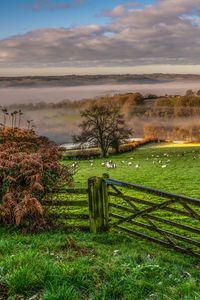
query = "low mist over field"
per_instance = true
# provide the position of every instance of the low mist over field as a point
(147, 114)
(55, 89)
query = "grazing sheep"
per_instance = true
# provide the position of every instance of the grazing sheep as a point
(74, 164)
(166, 154)
(110, 165)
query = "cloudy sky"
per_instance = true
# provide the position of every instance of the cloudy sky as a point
(99, 36)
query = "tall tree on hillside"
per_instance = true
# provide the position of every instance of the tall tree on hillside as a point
(29, 123)
(5, 114)
(20, 117)
(12, 119)
(103, 126)
(15, 118)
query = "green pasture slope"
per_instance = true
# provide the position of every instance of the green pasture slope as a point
(146, 166)
(80, 266)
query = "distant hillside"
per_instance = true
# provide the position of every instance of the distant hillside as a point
(81, 80)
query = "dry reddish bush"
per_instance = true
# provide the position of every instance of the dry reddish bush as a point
(28, 170)
(10, 133)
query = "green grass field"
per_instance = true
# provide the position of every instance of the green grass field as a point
(109, 266)
(181, 174)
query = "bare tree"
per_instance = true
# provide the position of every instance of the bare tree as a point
(12, 120)
(20, 117)
(15, 118)
(29, 122)
(5, 114)
(103, 126)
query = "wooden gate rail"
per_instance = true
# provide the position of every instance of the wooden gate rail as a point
(159, 242)
(77, 191)
(70, 216)
(66, 204)
(101, 192)
(152, 191)
(159, 219)
(82, 203)
(146, 202)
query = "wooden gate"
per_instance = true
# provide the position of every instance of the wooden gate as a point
(167, 219)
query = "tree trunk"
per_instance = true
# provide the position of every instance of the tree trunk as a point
(104, 153)
(117, 150)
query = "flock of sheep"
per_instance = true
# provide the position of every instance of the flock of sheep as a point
(110, 164)
(162, 160)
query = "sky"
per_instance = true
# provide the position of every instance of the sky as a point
(56, 37)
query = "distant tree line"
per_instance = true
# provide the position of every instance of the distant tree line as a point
(175, 107)
(185, 132)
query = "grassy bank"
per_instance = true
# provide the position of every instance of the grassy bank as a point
(85, 266)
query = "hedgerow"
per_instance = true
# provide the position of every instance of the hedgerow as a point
(94, 152)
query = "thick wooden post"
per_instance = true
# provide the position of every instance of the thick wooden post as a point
(98, 204)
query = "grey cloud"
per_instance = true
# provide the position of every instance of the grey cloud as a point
(156, 34)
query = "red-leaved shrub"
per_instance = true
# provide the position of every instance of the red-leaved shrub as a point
(28, 170)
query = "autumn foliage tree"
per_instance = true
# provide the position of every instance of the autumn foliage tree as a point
(103, 126)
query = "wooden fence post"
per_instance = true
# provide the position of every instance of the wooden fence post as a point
(98, 204)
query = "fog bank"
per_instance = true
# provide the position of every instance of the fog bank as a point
(12, 95)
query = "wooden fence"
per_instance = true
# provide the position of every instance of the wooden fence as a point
(167, 219)
(61, 206)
